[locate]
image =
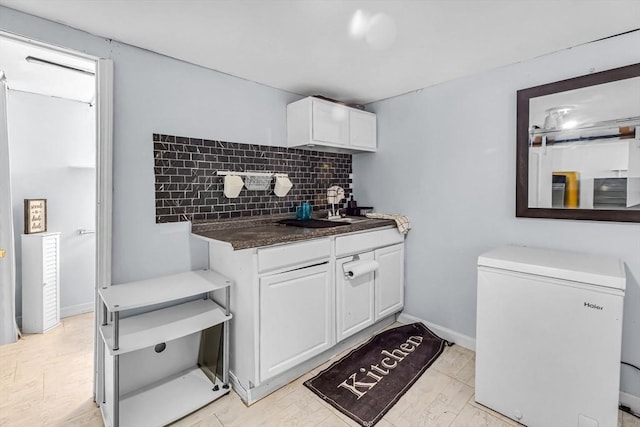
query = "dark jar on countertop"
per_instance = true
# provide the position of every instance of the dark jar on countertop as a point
(352, 207)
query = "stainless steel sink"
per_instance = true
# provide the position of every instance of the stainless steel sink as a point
(349, 219)
(320, 222)
(311, 223)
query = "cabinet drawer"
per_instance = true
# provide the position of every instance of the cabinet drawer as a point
(293, 255)
(362, 242)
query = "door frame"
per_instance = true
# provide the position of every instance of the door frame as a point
(104, 187)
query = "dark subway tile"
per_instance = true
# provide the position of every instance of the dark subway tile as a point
(191, 184)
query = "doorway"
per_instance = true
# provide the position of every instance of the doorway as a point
(52, 144)
(59, 120)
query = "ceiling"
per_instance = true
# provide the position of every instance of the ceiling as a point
(40, 77)
(318, 47)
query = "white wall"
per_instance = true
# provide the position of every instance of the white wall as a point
(448, 153)
(157, 94)
(52, 153)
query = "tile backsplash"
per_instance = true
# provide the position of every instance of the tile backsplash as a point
(188, 189)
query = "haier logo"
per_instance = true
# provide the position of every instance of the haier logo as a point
(594, 306)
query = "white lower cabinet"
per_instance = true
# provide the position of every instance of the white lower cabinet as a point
(296, 318)
(364, 300)
(389, 282)
(354, 299)
(292, 306)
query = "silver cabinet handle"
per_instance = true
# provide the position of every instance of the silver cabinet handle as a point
(82, 231)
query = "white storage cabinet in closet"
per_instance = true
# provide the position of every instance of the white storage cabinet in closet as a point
(40, 282)
(363, 300)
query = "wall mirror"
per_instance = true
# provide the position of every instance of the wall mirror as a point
(578, 153)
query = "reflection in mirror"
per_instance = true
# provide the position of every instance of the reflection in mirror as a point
(579, 147)
(584, 152)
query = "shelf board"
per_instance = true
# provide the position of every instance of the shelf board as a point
(161, 289)
(168, 400)
(154, 327)
(601, 125)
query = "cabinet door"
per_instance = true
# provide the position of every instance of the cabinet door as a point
(296, 318)
(389, 281)
(354, 299)
(50, 279)
(330, 123)
(40, 282)
(362, 130)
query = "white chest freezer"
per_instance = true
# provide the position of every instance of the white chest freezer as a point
(548, 338)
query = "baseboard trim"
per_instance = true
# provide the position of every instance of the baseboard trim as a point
(67, 311)
(446, 333)
(237, 387)
(76, 309)
(631, 401)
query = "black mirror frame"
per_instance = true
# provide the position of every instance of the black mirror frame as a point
(522, 150)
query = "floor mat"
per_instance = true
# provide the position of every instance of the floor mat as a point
(369, 380)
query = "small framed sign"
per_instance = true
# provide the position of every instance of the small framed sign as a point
(35, 216)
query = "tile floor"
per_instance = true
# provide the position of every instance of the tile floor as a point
(46, 380)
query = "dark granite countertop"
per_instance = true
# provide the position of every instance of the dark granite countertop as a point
(265, 231)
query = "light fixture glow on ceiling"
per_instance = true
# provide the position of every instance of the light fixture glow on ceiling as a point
(359, 24)
(379, 30)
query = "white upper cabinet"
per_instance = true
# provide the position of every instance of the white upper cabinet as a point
(328, 124)
(321, 125)
(362, 130)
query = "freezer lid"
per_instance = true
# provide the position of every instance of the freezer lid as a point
(585, 268)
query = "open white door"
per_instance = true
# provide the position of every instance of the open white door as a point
(104, 162)
(8, 328)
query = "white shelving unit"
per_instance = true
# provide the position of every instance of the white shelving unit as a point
(183, 392)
